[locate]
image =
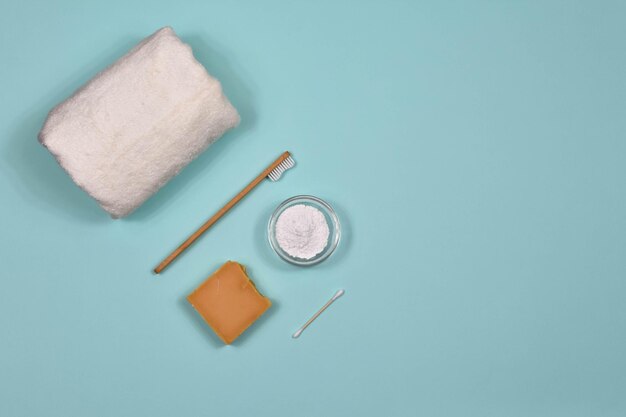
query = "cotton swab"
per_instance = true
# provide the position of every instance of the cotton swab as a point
(316, 315)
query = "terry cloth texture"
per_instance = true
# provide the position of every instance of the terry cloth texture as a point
(135, 125)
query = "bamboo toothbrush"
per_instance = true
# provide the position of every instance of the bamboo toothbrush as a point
(272, 172)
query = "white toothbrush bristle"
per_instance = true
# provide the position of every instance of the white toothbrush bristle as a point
(277, 172)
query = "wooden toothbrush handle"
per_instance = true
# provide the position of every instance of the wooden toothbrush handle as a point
(219, 214)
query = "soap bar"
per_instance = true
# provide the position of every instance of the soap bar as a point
(229, 301)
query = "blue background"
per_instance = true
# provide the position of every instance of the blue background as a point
(475, 152)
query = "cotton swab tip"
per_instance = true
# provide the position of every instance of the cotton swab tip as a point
(338, 294)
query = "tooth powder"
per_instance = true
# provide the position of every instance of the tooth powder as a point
(302, 231)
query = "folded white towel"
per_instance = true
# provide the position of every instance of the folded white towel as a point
(135, 125)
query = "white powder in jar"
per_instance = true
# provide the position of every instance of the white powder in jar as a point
(302, 231)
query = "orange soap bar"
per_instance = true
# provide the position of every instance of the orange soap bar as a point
(228, 301)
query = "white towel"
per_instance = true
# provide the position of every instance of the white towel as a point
(135, 125)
